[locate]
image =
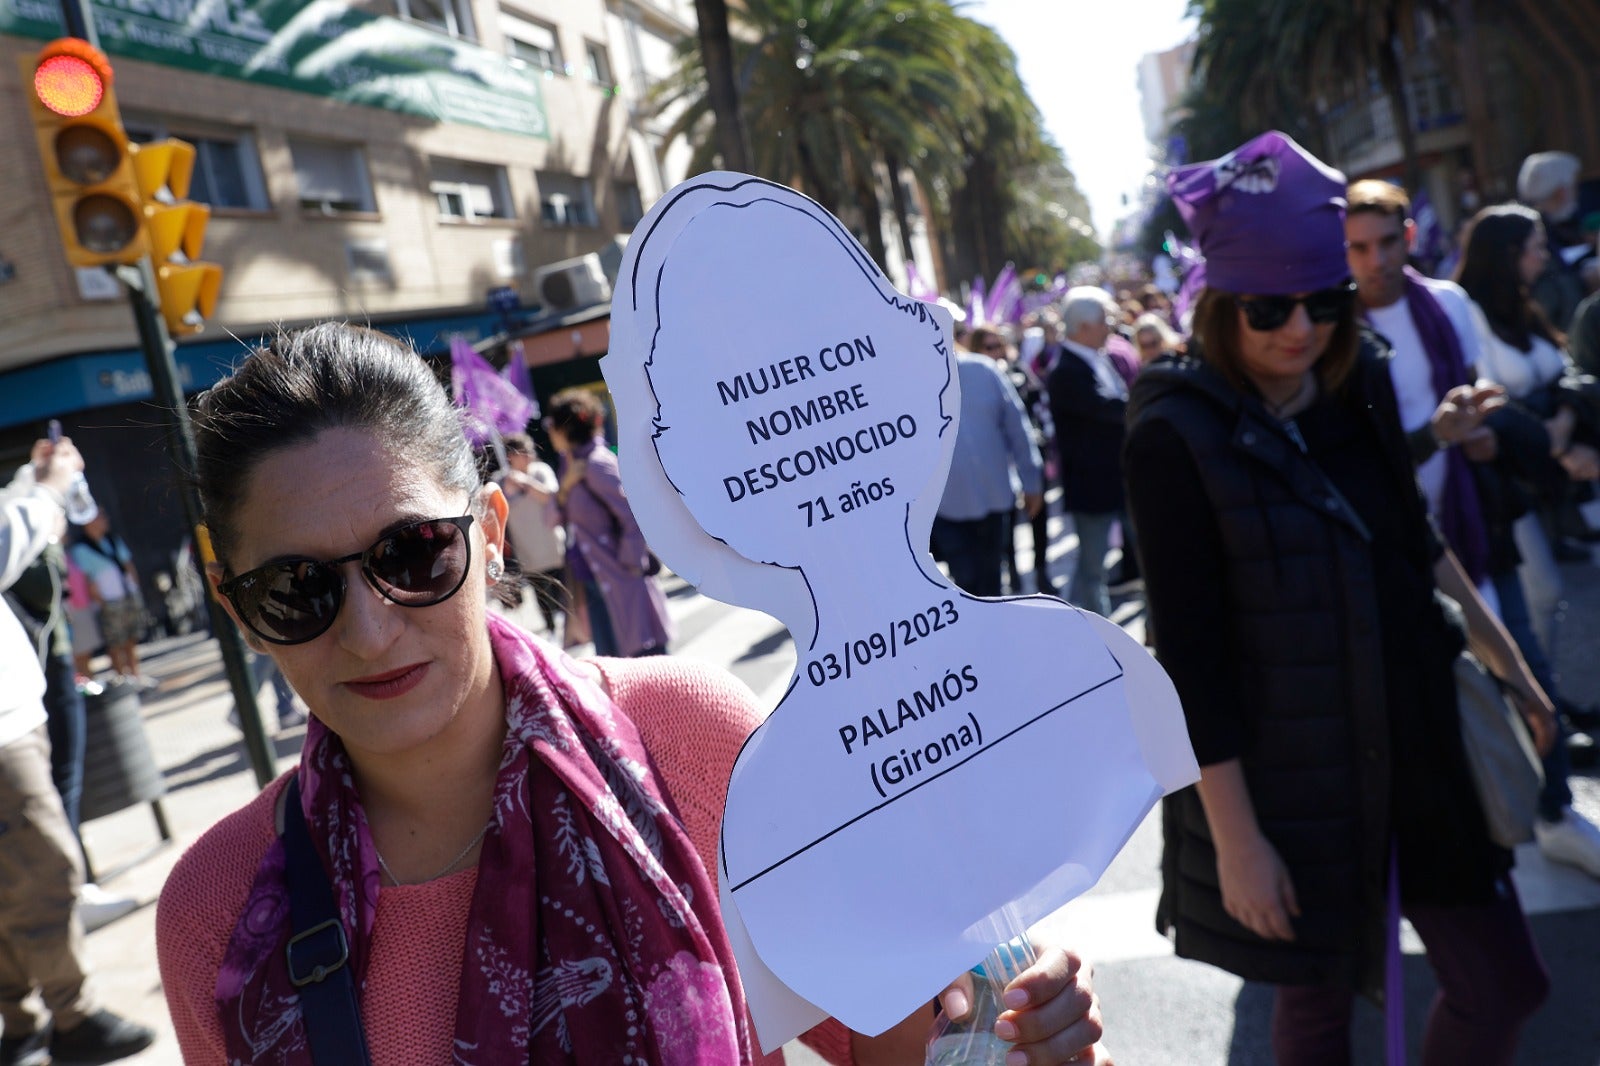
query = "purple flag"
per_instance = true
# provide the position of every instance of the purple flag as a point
(1000, 295)
(975, 305)
(1194, 281)
(1035, 301)
(491, 404)
(917, 287)
(516, 372)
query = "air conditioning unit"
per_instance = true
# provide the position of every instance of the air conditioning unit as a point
(572, 283)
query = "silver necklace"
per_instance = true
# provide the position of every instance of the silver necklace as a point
(449, 866)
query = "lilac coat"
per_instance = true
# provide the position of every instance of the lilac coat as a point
(601, 528)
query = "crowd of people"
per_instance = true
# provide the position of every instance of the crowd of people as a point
(1296, 468)
(1329, 478)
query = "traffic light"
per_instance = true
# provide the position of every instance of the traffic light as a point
(87, 161)
(176, 229)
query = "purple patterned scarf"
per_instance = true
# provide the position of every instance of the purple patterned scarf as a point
(583, 839)
(1460, 513)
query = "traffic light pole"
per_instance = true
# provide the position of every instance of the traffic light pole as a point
(79, 22)
(157, 346)
(143, 294)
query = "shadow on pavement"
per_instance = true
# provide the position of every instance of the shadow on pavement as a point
(765, 646)
(225, 761)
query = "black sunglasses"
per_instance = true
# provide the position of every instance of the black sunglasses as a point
(293, 601)
(1267, 313)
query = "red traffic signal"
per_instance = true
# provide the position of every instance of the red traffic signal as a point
(72, 81)
(86, 156)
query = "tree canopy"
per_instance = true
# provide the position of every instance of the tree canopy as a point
(842, 97)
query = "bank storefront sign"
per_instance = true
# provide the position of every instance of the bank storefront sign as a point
(323, 47)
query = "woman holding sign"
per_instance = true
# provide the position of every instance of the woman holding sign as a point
(1291, 577)
(488, 853)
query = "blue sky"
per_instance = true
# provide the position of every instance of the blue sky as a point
(1080, 61)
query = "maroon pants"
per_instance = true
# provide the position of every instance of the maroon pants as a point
(1491, 980)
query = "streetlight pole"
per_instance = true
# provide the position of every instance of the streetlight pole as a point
(157, 348)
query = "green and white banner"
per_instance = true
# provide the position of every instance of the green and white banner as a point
(323, 47)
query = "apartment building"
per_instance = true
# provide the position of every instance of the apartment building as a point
(380, 161)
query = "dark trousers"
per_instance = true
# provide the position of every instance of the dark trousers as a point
(972, 549)
(68, 729)
(1491, 980)
(600, 631)
(1042, 581)
(1008, 551)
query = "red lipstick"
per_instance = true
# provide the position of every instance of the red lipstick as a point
(389, 684)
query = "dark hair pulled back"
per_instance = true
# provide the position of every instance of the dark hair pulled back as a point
(577, 413)
(303, 382)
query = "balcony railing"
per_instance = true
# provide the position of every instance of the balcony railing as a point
(1358, 125)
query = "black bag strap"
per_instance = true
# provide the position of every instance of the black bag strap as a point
(317, 953)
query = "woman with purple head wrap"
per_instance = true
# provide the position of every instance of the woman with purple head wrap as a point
(1291, 576)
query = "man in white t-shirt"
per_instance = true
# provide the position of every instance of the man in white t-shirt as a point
(1439, 337)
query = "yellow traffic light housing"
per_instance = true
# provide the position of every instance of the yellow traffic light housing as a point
(188, 294)
(176, 229)
(86, 154)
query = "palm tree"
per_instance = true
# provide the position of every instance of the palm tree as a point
(1241, 86)
(717, 49)
(843, 97)
(1015, 198)
(1265, 62)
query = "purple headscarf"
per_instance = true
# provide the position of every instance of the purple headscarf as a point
(1268, 216)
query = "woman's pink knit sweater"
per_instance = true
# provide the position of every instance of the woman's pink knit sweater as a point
(693, 719)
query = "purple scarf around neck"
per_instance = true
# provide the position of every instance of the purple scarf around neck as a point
(594, 933)
(1460, 512)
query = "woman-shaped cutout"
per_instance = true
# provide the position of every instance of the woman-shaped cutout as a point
(804, 416)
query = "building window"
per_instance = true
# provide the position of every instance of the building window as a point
(332, 177)
(447, 16)
(470, 192)
(226, 170)
(566, 200)
(368, 260)
(596, 63)
(533, 43)
(630, 208)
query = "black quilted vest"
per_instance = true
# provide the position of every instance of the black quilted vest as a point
(1302, 605)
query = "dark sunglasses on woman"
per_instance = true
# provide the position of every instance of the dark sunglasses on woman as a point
(1267, 313)
(293, 601)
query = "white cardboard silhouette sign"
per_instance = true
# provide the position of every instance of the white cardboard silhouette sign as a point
(786, 425)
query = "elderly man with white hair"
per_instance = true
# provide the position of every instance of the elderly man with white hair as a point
(1548, 183)
(1087, 401)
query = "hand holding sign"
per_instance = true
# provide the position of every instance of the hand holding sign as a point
(781, 396)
